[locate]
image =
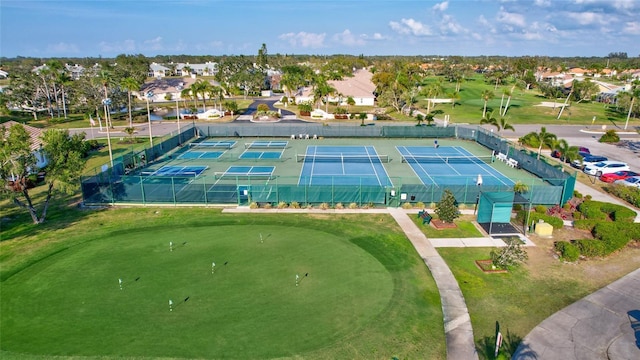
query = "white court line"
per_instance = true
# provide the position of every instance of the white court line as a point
(490, 171)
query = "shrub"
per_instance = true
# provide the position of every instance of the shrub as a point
(267, 205)
(407, 205)
(263, 107)
(534, 217)
(353, 206)
(577, 194)
(590, 247)
(447, 209)
(591, 210)
(282, 205)
(541, 209)
(305, 106)
(340, 110)
(568, 251)
(253, 205)
(609, 137)
(517, 207)
(577, 215)
(627, 193)
(324, 206)
(585, 224)
(420, 205)
(511, 255)
(294, 205)
(339, 206)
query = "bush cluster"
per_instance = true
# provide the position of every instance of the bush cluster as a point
(609, 137)
(535, 217)
(627, 193)
(597, 210)
(567, 251)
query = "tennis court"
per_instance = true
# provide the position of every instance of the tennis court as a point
(343, 165)
(264, 144)
(221, 144)
(260, 155)
(247, 172)
(430, 164)
(194, 154)
(178, 171)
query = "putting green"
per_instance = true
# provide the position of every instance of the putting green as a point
(71, 303)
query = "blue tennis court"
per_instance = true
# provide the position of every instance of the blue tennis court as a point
(343, 165)
(263, 144)
(450, 165)
(191, 171)
(222, 144)
(247, 172)
(193, 154)
(260, 155)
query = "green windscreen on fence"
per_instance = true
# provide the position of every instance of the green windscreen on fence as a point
(495, 207)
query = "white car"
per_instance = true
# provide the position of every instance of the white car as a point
(632, 181)
(605, 167)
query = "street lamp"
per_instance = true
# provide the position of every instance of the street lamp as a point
(106, 102)
(148, 96)
(179, 89)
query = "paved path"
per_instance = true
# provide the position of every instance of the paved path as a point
(457, 323)
(603, 325)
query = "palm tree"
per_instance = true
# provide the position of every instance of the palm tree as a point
(634, 93)
(64, 79)
(486, 96)
(544, 139)
(518, 84)
(187, 94)
(130, 84)
(500, 124)
(202, 87)
(454, 96)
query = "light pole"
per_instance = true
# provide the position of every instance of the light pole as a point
(148, 96)
(106, 102)
(179, 89)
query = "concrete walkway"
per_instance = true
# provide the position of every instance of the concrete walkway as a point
(457, 323)
(603, 325)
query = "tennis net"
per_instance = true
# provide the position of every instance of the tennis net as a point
(211, 145)
(433, 159)
(266, 145)
(343, 158)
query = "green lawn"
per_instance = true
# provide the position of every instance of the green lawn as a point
(465, 229)
(367, 295)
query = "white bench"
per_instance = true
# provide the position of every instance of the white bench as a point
(502, 157)
(513, 163)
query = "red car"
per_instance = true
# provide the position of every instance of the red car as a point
(619, 175)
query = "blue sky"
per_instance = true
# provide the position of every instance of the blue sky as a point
(91, 28)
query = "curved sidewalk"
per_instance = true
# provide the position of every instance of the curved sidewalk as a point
(603, 325)
(457, 323)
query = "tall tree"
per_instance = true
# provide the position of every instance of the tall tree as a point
(544, 139)
(65, 156)
(500, 124)
(130, 84)
(486, 96)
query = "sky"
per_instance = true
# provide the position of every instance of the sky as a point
(98, 28)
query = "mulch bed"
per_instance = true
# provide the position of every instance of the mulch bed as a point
(485, 266)
(439, 224)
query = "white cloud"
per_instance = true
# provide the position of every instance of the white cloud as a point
(449, 25)
(441, 6)
(509, 18)
(375, 37)
(304, 39)
(63, 48)
(117, 47)
(632, 27)
(154, 44)
(347, 38)
(624, 4)
(587, 18)
(542, 3)
(410, 26)
(488, 25)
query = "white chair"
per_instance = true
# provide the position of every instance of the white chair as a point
(293, 137)
(300, 136)
(306, 136)
(502, 157)
(513, 163)
(315, 136)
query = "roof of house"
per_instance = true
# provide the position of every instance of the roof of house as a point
(34, 133)
(357, 86)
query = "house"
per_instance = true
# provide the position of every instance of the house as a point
(209, 68)
(75, 71)
(359, 87)
(3, 74)
(158, 71)
(166, 89)
(35, 136)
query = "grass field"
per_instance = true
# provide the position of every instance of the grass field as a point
(367, 294)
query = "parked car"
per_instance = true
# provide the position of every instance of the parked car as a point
(588, 160)
(632, 181)
(618, 175)
(605, 167)
(557, 154)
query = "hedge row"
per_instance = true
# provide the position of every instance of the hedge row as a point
(627, 193)
(597, 210)
(609, 237)
(534, 217)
